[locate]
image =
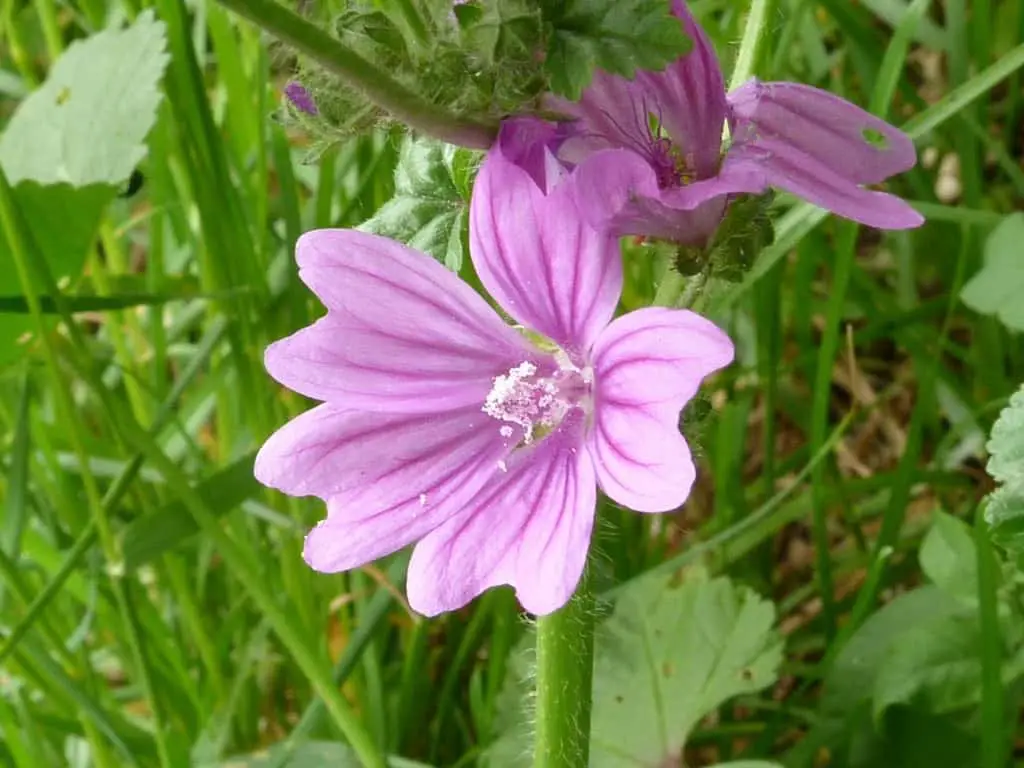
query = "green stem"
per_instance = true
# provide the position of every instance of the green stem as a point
(750, 54)
(357, 72)
(565, 667)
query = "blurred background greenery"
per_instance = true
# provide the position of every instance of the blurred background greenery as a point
(154, 607)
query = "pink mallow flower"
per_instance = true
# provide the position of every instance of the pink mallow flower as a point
(484, 442)
(670, 124)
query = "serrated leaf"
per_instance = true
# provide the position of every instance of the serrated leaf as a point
(507, 30)
(1004, 511)
(949, 559)
(72, 142)
(617, 36)
(86, 124)
(669, 655)
(997, 288)
(431, 202)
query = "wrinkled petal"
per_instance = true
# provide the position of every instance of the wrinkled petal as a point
(402, 333)
(821, 148)
(538, 258)
(531, 529)
(647, 366)
(388, 479)
(619, 191)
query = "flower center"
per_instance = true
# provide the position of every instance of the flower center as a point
(671, 166)
(534, 402)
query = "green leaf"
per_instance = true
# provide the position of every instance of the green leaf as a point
(856, 668)
(63, 220)
(1004, 511)
(502, 30)
(949, 559)
(87, 123)
(935, 668)
(429, 211)
(149, 537)
(310, 754)
(670, 654)
(845, 710)
(18, 305)
(996, 289)
(72, 142)
(617, 36)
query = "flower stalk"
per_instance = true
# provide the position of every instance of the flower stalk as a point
(377, 86)
(565, 667)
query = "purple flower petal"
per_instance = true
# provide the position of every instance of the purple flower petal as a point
(647, 365)
(821, 148)
(687, 99)
(531, 530)
(612, 113)
(402, 332)
(536, 256)
(389, 478)
(619, 189)
(530, 143)
(690, 94)
(301, 98)
(784, 134)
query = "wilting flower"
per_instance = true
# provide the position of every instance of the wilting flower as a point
(680, 177)
(298, 95)
(485, 443)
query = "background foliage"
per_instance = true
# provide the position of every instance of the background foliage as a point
(831, 594)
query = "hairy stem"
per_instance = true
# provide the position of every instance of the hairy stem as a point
(565, 666)
(387, 93)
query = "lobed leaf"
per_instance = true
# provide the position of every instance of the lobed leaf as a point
(1004, 511)
(430, 208)
(617, 36)
(996, 289)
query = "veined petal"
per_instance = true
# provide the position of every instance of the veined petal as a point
(530, 143)
(821, 148)
(538, 258)
(687, 99)
(612, 113)
(690, 94)
(531, 530)
(347, 456)
(388, 479)
(647, 365)
(402, 334)
(618, 190)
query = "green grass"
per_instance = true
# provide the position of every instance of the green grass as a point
(154, 607)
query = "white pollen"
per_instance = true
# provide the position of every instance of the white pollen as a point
(502, 465)
(505, 431)
(423, 499)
